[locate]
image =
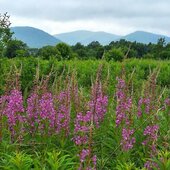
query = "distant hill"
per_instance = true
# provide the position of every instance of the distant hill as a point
(86, 37)
(144, 37)
(33, 37)
(37, 38)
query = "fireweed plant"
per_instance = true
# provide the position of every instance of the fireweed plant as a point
(148, 107)
(123, 115)
(63, 112)
(86, 122)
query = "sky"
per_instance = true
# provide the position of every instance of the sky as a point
(114, 16)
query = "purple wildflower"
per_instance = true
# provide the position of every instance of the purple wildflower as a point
(33, 112)
(13, 109)
(127, 139)
(63, 107)
(149, 165)
(151, 133)
(146, 103)
(47, 112)
(124, 103)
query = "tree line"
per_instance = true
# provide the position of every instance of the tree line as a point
(116, 50)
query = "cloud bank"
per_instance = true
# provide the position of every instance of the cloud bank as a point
(116, 16)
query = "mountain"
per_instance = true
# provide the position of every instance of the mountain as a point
(86, 37)
(144, 37)
(33, 37)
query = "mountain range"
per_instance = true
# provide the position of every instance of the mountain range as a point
(36, 38)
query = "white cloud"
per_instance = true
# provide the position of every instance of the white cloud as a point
(115, 16)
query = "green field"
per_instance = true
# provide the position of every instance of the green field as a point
(90, 114)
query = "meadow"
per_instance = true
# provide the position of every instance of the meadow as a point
(86, 115)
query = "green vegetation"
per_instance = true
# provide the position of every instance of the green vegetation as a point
(86, 70)
(5, 34)
(115, 51)
(84, 107)
(29, 142)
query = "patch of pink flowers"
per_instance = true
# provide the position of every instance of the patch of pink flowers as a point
(123, 115)
(149, 165)
(63, 107)
(84, 154)
(86, 122)
(13, 107)
(124, 103)
(151, 136)
(144, 103)
(128, 140)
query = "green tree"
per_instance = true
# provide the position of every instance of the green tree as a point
(95, 50)
(5, 34)
(161, 42)
(80, 50)
(49, 51)
(164, 55)
(129, 52)
(64, 50)
(16, 48)
(114, 54)
(137, 50)
(159, 48)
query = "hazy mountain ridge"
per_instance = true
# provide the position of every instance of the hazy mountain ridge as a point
(86, 37)
(37, 38)
(144, 37)
(34, 37)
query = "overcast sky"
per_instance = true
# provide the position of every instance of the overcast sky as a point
(114, 16)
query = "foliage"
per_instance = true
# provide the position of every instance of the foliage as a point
(163, 160)
(56, 161)
(16, 161)
(64, 50)
(114, 55)
(111, 123)
(49, 51)
(85, 70)
(5, 34)
(16, 48)
(80, 50)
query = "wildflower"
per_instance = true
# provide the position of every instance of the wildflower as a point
(127, 139)
(150, 165)
(47, 112)
(63, 107)
(13, 109)
(151, 132)
(33, 112)
(124, 103)
(151, 137)
(167, 102)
